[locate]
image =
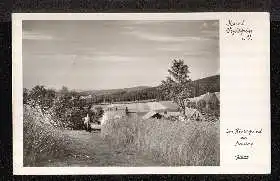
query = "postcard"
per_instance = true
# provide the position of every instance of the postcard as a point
(141, 93)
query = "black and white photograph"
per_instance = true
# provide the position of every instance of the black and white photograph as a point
(141, 93)
(129, 93)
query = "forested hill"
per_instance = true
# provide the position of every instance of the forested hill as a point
(208, 84)
(112, 91)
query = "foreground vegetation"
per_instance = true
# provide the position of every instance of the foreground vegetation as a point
(41, 140)
(66, 108)
(174, 143)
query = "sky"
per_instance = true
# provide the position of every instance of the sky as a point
(105, 54)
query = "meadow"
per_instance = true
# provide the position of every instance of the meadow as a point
(173, 143)
(169, 143)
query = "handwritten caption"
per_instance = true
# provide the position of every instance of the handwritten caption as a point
(239, 29)
(245, 139)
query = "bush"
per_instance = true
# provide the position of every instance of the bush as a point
(69, 111)
(41, 140)
(174, 143)
(65, 107)
(41, 96)
(96, 114)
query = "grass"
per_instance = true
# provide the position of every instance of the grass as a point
(41, 140)
(174, 143)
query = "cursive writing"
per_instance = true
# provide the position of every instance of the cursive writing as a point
(245, 138)
(238, 157)
(244, 131)
(239, 29)
(243, 143)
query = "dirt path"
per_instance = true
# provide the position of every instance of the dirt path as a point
(89, 150)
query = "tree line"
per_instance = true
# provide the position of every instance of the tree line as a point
(66, 107)
(69, 106)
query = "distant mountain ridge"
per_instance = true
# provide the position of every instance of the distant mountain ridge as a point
(207, 84)
(203, 85)
(112, 91)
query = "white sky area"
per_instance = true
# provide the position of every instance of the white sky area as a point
(115, 54)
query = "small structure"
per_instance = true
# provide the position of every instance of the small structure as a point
(168, 114)
(208, 100)
(193, 114)
(152, 114)
(172, 116)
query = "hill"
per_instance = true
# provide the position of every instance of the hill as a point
(202, 86)
(113, 91)
(207, 84)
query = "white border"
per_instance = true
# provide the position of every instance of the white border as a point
(235, 66)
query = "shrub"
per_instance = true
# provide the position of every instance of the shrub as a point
(41, 96)
(174, 143)
(69, 110)
(41, 140)
(96, 114)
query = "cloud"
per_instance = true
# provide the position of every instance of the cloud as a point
(129, 28)
(29, 35)
(165, 38)
(112, 58)
(75, 57)
(170, 49)
(148, 22)
(52, 57)
(198, 53)
(210, 25)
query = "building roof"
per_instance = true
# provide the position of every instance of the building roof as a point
(190, 112)
(172, 114)
(149, 114)
(208, 97)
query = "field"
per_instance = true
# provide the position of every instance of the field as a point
(171, 143)
(47, 146)
(125, 140)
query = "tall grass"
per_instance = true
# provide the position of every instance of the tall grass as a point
(173, 143)
(41, 140)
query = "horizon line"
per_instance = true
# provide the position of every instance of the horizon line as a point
(82, 90)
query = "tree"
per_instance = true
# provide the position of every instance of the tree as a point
(178, 86)
(69, 110)
(42, 96)
(64, 90)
